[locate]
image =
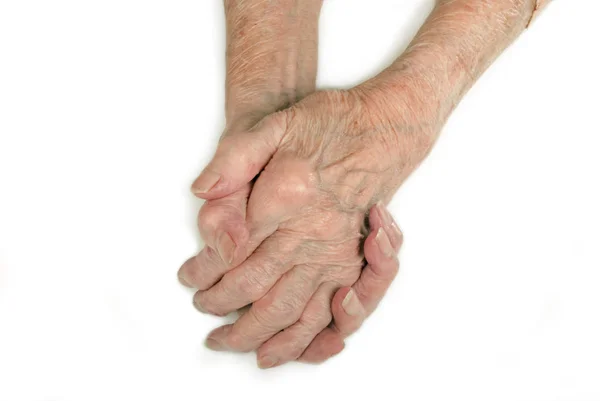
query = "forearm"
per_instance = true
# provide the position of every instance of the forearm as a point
(457, 43)
(271, 55)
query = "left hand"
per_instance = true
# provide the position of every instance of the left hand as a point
(350, 305)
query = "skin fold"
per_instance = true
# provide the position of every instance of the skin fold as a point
(296, 186)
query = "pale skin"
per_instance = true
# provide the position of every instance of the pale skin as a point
(296, 172)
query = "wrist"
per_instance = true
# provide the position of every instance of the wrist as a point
(402, 103)
(454, 47)
(271, 55)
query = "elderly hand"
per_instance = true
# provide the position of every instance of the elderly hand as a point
(350, 306)
(322, 163)
(271, 63)
(325, 160)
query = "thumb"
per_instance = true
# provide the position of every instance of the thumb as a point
(240, 157)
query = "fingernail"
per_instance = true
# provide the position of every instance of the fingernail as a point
(351, 304)
(386, 218)
(184, 282)
(399, 234)
(199, 307)
(384, 244)
(205, 182)
(267, 362)
(213, 344)
(226, 247)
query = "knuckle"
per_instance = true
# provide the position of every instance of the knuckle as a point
(346, 272)
(239, 341)
(296, 188)
(292, 190)
(226, 293)
(292, 179)
(274, 313)
(240, 148)
(296, 352)
(316, 319)
(229, 143)
(263, 314)
(249, 286)
(211, 259)
(235, 342)
(206, 304)
(209, 216)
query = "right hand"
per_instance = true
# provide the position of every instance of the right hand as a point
(350, 305)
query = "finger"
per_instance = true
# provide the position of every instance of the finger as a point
(348, 311)
(348, 315)
(351, 306)
(223, 215)
(240, 157)
(223, 228)
(326, 344)
(380, 217)
(348, 305)
(381, 270)
(203, 270)
(252, 279)
(279, 192)
(281, 307)
(290, 343)
(222, 224)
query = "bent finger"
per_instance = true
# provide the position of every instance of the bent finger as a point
(280, 308)
(290, 343)
(222, 224)
(351, 306)
(252, 279)
(240, 157)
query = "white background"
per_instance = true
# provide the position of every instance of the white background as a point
(108, 110)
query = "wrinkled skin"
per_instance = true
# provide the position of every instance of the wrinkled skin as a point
(350, 305)
(323, 165)
(311, 172)
(271, 64)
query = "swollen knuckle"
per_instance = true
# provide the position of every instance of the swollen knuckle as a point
(294, 188)
(296, 352)
(294, 178)
(209, 216)
(276, 313)
(262, 315)
(249, 286)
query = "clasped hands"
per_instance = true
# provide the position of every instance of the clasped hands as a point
(296, 233)
(288, 203)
